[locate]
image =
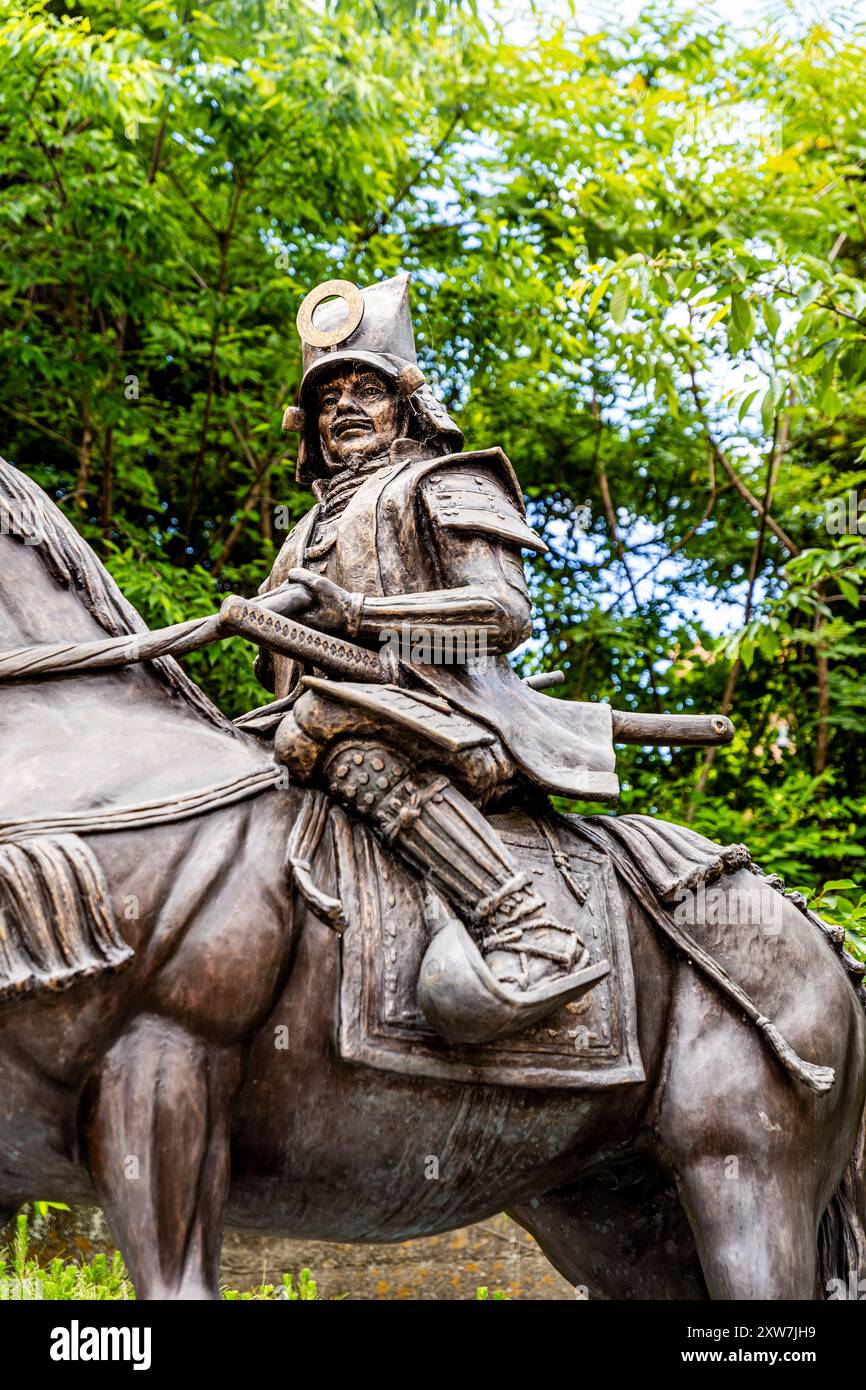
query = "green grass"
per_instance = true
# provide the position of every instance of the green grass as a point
(24, 1279)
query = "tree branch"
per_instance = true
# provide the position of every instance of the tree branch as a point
(382, 217)
(610, 514)
(741, 487)
(779, 448)
(225, 242)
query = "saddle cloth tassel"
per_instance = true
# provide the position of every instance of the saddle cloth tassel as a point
(56, 921)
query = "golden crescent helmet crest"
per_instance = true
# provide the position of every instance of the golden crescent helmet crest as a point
(339, 323)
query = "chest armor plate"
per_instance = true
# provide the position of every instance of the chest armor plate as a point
(347, 549)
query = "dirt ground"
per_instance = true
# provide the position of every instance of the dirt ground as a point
(496, 1254)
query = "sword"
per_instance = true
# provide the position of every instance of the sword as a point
(333, 655)
(346, 660)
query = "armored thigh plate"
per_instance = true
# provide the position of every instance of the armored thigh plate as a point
(425, 729)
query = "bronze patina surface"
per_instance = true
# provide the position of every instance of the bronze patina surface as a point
(338, 971)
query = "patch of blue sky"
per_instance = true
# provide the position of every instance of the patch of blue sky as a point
(519, 19)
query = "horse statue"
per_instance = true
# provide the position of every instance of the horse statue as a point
(221, 989)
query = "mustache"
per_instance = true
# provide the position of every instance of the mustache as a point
(350, 418)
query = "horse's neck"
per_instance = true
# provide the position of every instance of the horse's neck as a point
(103, 739)
(53, 588)
(34, 607)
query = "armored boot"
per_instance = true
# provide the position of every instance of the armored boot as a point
(512, 963)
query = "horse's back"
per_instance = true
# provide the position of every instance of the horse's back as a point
(101, 740)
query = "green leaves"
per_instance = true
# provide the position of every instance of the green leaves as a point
(772, 317)
(619, 301)
(841, 904)
(615, 277)
(772, 402)
(741, 324)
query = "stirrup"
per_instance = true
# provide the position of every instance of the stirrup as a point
(463, 1000)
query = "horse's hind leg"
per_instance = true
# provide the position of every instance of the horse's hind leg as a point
(755, 1155)
(618, 1233)
(746, 1150)
(159, 1154)
(757, 1236)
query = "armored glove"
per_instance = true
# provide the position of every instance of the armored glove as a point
(331, 608)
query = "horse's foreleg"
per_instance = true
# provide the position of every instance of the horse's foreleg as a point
(159, 1154)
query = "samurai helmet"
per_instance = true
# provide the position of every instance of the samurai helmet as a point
(338, 323)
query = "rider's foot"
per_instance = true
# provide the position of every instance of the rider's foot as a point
(466, 1001)
(524, 945)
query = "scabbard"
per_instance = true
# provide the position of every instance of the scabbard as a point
(335, 656)
(344, 660)
(671, 730)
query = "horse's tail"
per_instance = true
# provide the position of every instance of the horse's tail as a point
(842, 1236)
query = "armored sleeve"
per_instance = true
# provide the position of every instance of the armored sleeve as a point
(476, 528)
(479, 503)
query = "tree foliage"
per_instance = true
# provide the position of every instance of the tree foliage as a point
(638, 264)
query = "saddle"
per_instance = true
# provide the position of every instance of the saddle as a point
(379, 909)
(586, 1044)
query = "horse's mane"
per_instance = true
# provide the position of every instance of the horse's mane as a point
(28, 514)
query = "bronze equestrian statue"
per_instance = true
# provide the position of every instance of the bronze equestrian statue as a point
(338, 970)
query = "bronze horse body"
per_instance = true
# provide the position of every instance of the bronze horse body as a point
(161, 1092)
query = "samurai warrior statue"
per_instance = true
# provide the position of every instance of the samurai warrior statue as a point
(414, 548)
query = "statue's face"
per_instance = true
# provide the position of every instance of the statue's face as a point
(357, 416)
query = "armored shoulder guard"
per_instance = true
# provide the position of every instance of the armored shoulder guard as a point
(479, 494)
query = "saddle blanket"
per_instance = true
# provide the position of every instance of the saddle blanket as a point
(587, 1044)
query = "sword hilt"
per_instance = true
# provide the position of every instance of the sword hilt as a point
(334, 655)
